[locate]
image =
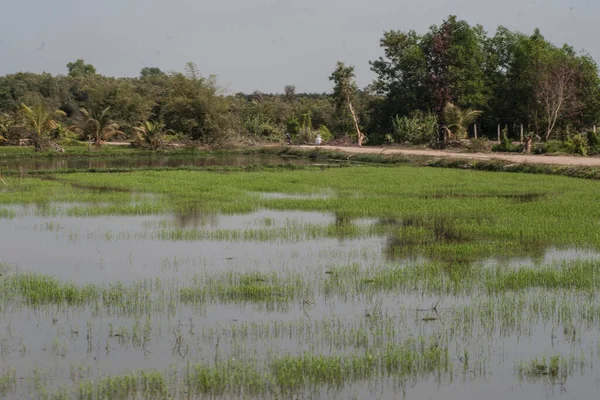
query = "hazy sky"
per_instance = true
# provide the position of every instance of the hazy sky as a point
(256, 44)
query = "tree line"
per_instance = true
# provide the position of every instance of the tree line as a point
(428, 87)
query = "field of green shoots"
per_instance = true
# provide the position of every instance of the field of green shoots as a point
(323, 282)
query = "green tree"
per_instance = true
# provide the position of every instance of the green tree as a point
(344, 91)
(424, 72)
(98, 126)
(80, 68)
(147, 72)
(40, 121)
(289, 93)
(194, 106)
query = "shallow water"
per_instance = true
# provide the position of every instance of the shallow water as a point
(67, 344)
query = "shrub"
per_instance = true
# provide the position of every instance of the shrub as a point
(593, 140)
(554, 146)
(419, 128)
(257, 126)
(293, 125)
(506, 144)
(325, 133)
(577, 144)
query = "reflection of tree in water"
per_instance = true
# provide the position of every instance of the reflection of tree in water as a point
(410, 248)
(196, 219)
(343, 220)
(343, 226)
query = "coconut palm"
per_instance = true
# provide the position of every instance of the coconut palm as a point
(97, 126)
(152, 133)
(40, 121)
(458, 121)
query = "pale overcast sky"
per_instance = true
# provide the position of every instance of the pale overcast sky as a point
(256, 44)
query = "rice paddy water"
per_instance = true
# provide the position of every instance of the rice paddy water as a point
(306, 282)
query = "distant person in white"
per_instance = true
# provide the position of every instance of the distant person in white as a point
(318, 140)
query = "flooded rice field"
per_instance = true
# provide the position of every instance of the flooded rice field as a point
(358, 282)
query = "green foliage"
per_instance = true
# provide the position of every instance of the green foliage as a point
(40, 121)
(577, 144)
(506, 145)
(344, 92)
(257, 126)
(79, 68)
(293, 125)
(307, 134)
(325, 133)
(419, 128)
(458, 121)
(151, 133)
(509, 76)
(148, 72)
(593, 140)
(96, 126)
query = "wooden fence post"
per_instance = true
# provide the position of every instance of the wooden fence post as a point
(475, 127)
(498, 133)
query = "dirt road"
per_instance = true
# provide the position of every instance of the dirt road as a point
(513, 158)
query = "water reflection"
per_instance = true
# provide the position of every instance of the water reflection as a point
(196, 220)
(32, 164)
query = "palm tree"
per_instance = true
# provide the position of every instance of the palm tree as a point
(152, 133)
(458, 121)
(40, 120)
(97, 125)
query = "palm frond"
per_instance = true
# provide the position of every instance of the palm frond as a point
(458, 121)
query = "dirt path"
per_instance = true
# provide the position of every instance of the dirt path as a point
(514, 158)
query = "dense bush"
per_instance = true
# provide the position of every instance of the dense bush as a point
(577, 144)
(419, 128)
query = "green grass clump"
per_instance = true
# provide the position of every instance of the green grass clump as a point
(282, 376)
(551, 369)
(270, 289)
(579, 275)
(39, 289)
(407, 360)
(226, 379)
(8, 381)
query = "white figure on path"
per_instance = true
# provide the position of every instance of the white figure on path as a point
(318, 140)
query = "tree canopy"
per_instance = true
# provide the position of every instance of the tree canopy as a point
(511, 77)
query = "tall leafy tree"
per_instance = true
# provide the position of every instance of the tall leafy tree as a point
(148, 72)
(344, 91)
(425, 72)
(80, 68)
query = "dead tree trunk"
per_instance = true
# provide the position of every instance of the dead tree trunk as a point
(361, 137)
